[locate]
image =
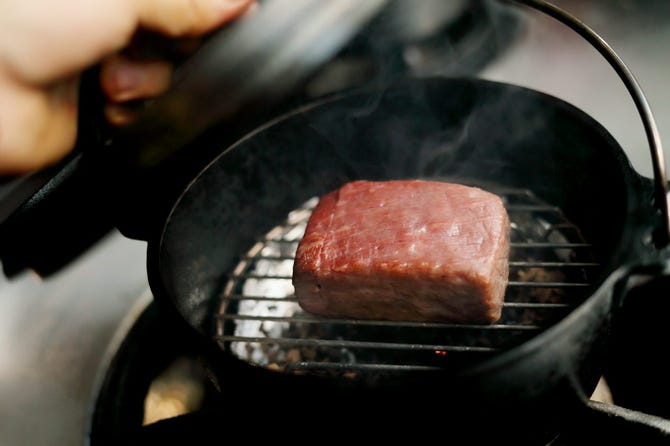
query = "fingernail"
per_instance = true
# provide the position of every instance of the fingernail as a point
(127, 78)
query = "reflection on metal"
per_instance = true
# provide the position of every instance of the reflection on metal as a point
(176, 391)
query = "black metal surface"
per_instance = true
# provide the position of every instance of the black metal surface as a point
(152, 344)
(461, 129)
(635, 372)
(50, 217)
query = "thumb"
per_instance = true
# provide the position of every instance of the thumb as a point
(37, 126)
(180, 18)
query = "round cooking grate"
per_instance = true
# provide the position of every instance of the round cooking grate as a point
(260, 321)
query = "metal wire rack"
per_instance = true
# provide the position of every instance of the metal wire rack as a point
(551, 271)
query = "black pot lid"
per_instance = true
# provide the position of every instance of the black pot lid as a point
(240, 71)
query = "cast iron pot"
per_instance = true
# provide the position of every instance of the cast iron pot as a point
(463, 130)
(491, 134)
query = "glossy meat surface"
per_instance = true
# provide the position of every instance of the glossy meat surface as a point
(405, 250)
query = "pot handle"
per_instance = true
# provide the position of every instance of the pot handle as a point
(597, 423)
(662, 237)
(129, 178)
(247, 67)
(603, 423)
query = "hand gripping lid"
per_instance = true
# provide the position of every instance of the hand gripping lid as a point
(240, 71)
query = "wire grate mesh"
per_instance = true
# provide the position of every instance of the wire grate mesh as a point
(551, 269)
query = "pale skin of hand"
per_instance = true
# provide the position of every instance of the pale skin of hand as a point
(45, 45)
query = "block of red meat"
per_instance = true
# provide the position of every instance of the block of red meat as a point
(405, 250)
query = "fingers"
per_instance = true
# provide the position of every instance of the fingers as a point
(42, 43)
(123, 79)
(179, 18)
(126, 81)
(37, 126)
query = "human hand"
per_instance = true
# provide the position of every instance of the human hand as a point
(45, 46)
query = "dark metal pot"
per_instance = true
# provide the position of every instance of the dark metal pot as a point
(465, 130)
